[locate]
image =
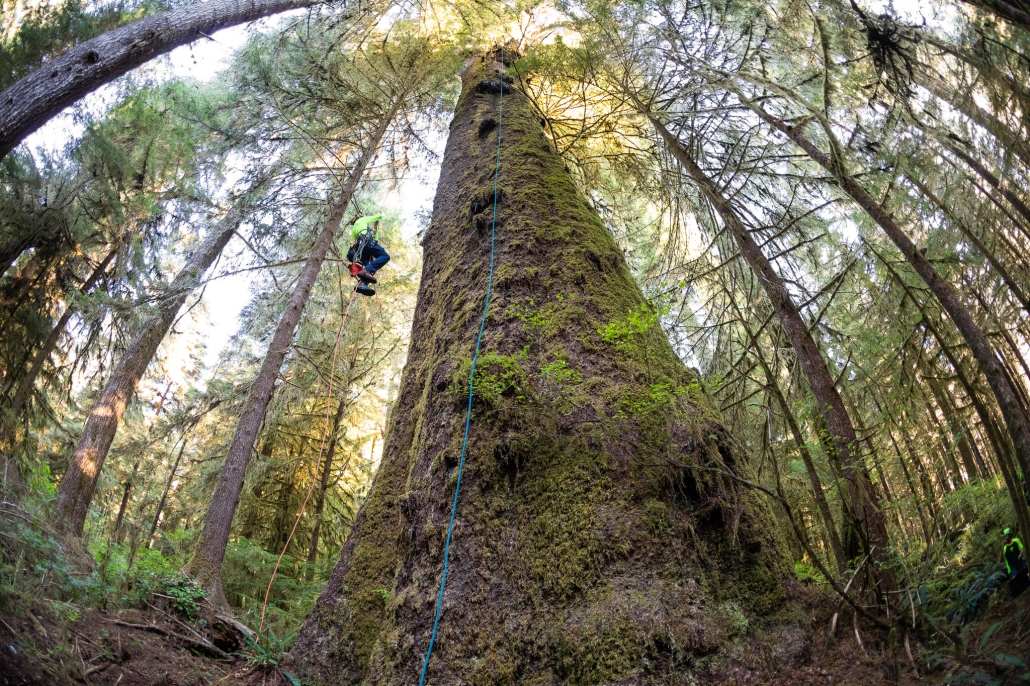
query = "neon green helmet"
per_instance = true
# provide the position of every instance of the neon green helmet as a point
(1007, 532)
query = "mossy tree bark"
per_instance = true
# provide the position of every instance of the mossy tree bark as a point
(598, 539)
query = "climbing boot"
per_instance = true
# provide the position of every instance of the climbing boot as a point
(365, 290)
(366, 276)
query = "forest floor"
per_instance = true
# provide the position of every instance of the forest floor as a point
(125, 647)
(154, 648)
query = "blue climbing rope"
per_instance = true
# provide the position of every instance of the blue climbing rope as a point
(472, 376)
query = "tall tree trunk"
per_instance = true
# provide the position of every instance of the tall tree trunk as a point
(570, 544)
(864, 507)
(79, 482)
(135, 467)
(986, 358)
(21, 395)
(33, 100)
(1013, 12)
(164, 493)
(13, 481)
(995, 183)
(947, 445)
(956, 431)
(327, 465)
(1002, 271)
(962, 101)
(909, 481)
(1000, 447)
(773, 386)
(207, 560)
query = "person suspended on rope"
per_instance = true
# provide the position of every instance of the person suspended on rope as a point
(1015, 563)
(365, 252)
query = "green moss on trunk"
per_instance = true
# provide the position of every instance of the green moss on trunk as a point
(592, 545)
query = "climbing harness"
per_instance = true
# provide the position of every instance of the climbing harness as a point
(355, 256)
(321, 448)
(472, 376)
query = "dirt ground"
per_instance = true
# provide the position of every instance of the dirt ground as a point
(156, 648)
(128, 648)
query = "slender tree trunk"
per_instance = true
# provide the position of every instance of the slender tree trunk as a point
(33, 100)
(13, 481)
(955, 429)
(525, 601)
(910, 482)
(164, 494)
(1002, 271)
(327, 465)
(992, 180)
(135, 467)
(207, 560)
(947, 444)
(986, 418)
(43, 354)
(964, 103)
(863, 504)
(79, 482)
(856, 417)
(990, 365)
(806, 456)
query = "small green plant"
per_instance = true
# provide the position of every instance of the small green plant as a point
(185, 594)
(973, 595)
(621, 332)
(805, 572)
(266, 649)
(496, 376)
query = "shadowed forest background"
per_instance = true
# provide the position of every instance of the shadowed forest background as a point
(825, 205)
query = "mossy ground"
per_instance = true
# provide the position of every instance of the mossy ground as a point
(595, 541)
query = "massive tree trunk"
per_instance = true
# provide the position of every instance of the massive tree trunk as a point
(988, 361)
(206, 564)
(79, 482)
(597, 537)
(843, 446)
(32, 101)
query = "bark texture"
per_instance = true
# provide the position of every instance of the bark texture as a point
(596, 540)
(206, 564)
(33, 100)
(80, 481)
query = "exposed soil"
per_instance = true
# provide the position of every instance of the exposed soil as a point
(112, 648)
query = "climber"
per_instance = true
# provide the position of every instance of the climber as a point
(1015, 563)
(366, 252)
